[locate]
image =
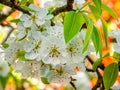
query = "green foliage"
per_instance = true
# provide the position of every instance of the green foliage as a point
(27, 8)
(110, 75)
(105, 30)
(95, 11)
(5, 45)
(72, 24)
(1, 6)
(96, 64)
(3, 81)
(23, 2)
(108, 9)
(44, 80)
(98, 5)
(15, 20)
(89, 23)
(21, 55)
(116, 56)
(96, 38)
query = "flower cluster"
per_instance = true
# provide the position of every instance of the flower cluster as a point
(38, 49)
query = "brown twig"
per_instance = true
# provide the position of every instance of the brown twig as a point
(68, 7)
(13, 5)
(99, 81)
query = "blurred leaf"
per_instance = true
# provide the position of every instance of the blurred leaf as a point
(116, 56)
(15, 20)
(1, 6)
(23, 2)
(3, 82)
(44, 80)
(95, 11)
(96, 38)
(108, 9)
(105, 30)
(110, 75)
(5, 45)
(96, 63)
(28, 9)
(89, 23)
(31, 1)
(98, 4)
(72, 24)
(21, 55)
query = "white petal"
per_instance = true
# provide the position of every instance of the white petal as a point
(24, 17)
(27, 23)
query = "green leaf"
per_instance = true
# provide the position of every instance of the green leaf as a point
(108, 9)
(89, 23)
(98, 5)
(96, 38)
(72, 24)
(28, 9)
(23, 2)
(15, 20)
(95, 11)
(105, 30)
(1, 6)
(116, 56)
(96, 63)
(3, 81)
(110, 75)
(5, 45)
(21, 55)
(31, 1)
(44, 80)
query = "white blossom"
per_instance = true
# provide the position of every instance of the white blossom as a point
(74, 50)
(33, 47)
(61, 74)
(81, 81)
(53, 51)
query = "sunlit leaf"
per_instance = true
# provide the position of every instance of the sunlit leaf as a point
(98, 4)
(95, 64)
(44, 80)
(95, 11)
(110, 75)
(23, 2)
(108, 9)
(105, 30)
(72, 24)
(89, 23)
(96, 38)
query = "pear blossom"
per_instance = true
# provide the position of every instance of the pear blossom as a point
(32, 48)
(81, 81)
(11, 53)
(31, 69)
(53, 51)
(74, 50)
(61, 74)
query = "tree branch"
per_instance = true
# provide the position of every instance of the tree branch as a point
(14, 6)
(99, 81)
(64, 8)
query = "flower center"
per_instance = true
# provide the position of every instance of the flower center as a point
(54, 52)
